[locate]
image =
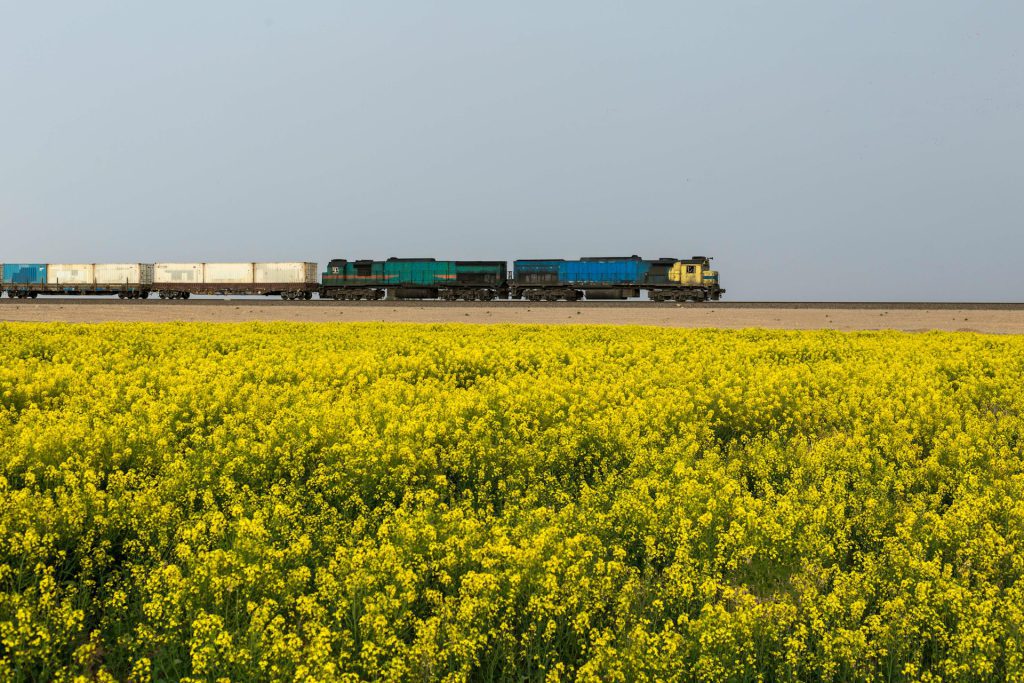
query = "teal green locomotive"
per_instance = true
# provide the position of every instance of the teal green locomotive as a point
(415, 278)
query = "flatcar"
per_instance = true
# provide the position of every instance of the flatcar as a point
(415, 278)
(289, 280)
(126, 280)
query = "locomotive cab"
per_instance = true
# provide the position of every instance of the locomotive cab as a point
(691, 271)
(689, 279)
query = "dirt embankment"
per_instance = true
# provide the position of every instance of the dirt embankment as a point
(973, 319)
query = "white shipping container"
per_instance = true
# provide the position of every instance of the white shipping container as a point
(294, 273)
(70, 274)
(124, 273)
(228, 273)
(178, 273)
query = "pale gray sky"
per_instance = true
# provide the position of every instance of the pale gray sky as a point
(819, 150)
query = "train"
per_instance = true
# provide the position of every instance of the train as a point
(592, 278)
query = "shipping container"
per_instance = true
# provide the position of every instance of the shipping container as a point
(124, 273)
(228, 273)
(292, 273)
(24, 274)
(178, 273)
(70, 274)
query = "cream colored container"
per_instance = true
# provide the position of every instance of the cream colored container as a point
(291, 273)
(178, 273)
(123, 273)
(228, 273)
(70, 274)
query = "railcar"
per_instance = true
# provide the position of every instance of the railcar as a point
(126, 280)
(289, 280)
(595, 278)
(415, 278)
(665, 279)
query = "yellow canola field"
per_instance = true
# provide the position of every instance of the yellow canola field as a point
(399, 502)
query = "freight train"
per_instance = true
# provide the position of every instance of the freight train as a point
(664, 279)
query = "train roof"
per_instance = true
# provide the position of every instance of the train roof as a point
(634, 257)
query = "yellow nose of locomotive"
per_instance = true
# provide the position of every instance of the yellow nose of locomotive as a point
(693, 280)
(689, 272)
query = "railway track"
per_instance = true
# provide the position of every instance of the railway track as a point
(270, 303)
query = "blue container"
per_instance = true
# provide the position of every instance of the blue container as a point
(24, 273)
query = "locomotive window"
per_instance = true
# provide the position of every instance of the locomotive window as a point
(690, 270)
